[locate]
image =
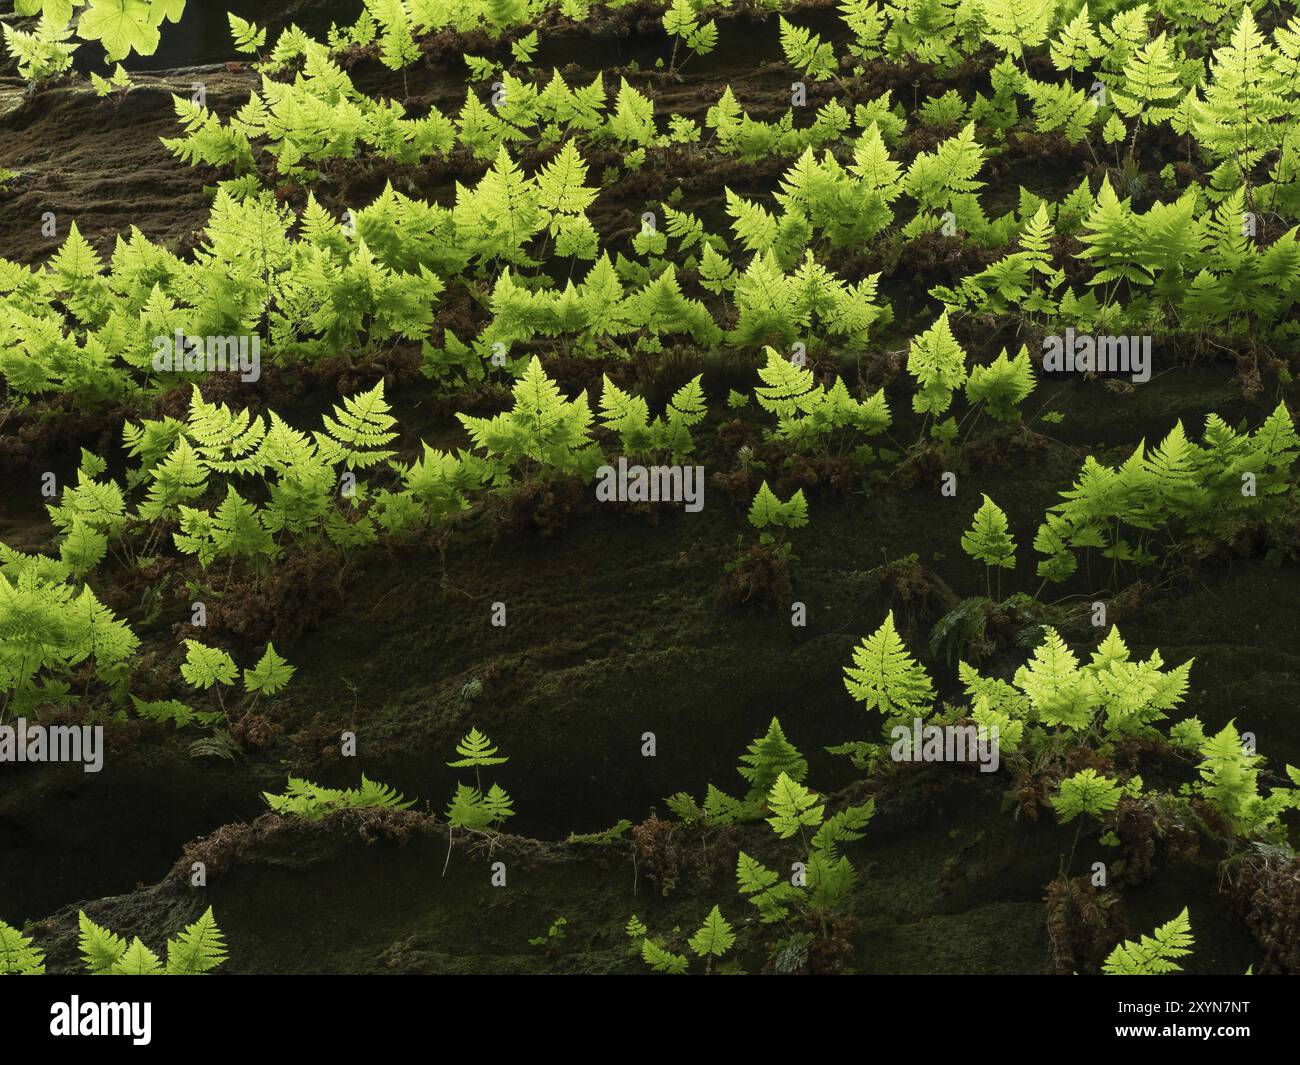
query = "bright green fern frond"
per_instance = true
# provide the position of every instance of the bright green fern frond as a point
(1153, 955)
(198, 950)
(886, 677)
(17, 955)
(476, 750)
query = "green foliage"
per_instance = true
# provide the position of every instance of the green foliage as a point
(17, 955)
(1002, 385)
(249, 38)
(205, 666)
(356, 434)
(119, 83)
(639, 435)
(616, 833)
(938, 363)
(125, 26)
(476, 750)
(806, 52)
(944, 181)
(769, 757)
(1112, 694)
(714, 938)
(1086, 792)
(988, 540)
(555, 934)
(270, 675)
(471, 807)
(886, 678)
(793, 807)
(1077, 46)
(49, 628)
(311, 802)
(1229, 781)
(543, 428)
(767, 511)
(662, 960)
(1153, 955)
(1232, 480)
(44, 53)
(196, 951)
(809, 413)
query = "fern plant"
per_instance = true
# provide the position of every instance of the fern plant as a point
(1154, 955)
(1085, 792)
(196, 951)
(471, 808)
(989, 541)
(885, 677)
(542, 430)
(312, 802)
(805, 51)
(43, 54)
(17, 955)
(812, 898)
(938, 363)
(51, 627)
(714, 938)
(1212, 489)
(210, 669)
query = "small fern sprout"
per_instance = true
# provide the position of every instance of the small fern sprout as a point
(989, 541)
(1153, 955)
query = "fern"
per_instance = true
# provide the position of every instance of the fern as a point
(1153, 955)
(662, 960)
(44, 53)
(543, 428)
(766, 759)
(1015, 25)
(1077, 45)
(1237, 122)
(207, 666)
(1086, 792)
(248, 37)
(946, 180)
(17, 955)
(714, 938)
(988, 539)
(476, 750)
(886, 678)
(793, 807)
(765, 889)
(197, 950)
(805, 51)
(1002, 385)
(311, 802)
(271, 674)
(767, 511)
(359, 429)
(938, 363)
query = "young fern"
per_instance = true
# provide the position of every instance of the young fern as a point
(196, 951)
(1153, 955)
(311, 802)
(989, 541)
